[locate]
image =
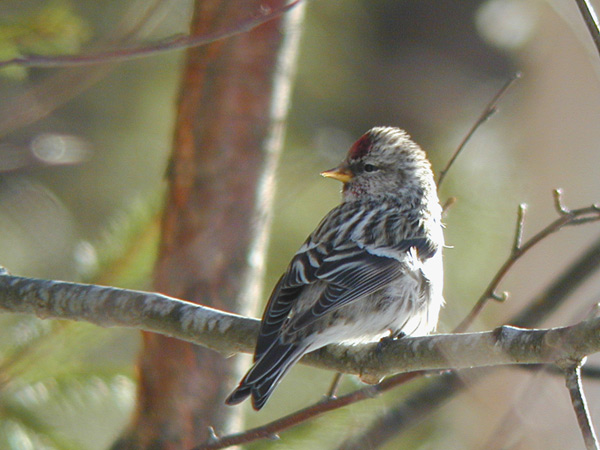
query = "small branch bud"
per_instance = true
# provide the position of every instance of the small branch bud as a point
(212, 435)
(502, 297)
(558, 202)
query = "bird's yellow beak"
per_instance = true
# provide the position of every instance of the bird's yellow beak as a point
(340, 173)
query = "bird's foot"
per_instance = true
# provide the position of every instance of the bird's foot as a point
(386, 340)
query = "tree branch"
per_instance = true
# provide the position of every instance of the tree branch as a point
(489, 110)
(566, 217)
(410, 412)
(591, 21)
(573, 382)
(110, 307)
(229, 333)
(271, 429)
(166, 45)
(449, 385)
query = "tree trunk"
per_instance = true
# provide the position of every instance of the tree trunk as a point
(229, 126)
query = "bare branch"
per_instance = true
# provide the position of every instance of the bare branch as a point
(335, 384)
(272, 428)
(422, 403)
(591, 20)
(166, 45)
(230, 333)
(109, 307)
(449, 203)
(489, 111)
(573, 382)
(566, 217)
(561, 209)
(449, 385)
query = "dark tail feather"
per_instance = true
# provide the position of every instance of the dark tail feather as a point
(239, 395)
(265, 374)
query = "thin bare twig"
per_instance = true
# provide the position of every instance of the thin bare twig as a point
(410, 412)
(561, 209)
(273, 428)
(566, 217)
(539, 308)
(573, 382)
(449, 203)
(165, 45)
(335, 384)
(489, 111)
(518, 241)
(591, 20)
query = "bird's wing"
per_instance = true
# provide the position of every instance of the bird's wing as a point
(300, 273)
(348, 270)
(351, 270)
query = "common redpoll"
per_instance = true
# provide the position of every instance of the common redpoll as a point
(371, 269)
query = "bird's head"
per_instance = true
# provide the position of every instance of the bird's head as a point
(384, 161)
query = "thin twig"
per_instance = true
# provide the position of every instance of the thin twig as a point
(450, 385)
(591, 21)
(449, 203)
(43, 97)
(166, 45)
(308, 413)
(409, 413)
(551, 298)
(489, 111)
(335, 384)
(566, 217)
(573, 382)
(412, 411)
(518, 241)
(559, 205)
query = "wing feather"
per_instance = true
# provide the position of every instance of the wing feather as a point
(350, 270)
(301, 273)
(360, 274)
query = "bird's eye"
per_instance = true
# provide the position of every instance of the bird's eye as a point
(370, 168)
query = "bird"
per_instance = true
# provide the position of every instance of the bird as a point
(371, 270)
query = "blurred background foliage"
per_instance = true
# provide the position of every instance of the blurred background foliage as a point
(81, 184)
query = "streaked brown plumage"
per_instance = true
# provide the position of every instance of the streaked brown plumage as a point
(372, 268)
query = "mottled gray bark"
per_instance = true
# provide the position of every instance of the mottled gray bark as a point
(229, 333)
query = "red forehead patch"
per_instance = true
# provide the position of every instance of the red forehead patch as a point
(360, 147)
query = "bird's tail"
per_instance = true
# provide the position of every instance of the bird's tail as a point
(265, 374)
